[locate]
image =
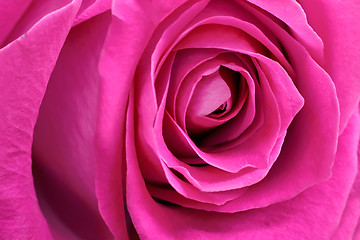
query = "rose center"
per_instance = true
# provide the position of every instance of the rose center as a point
(212, 101)
(220, 110)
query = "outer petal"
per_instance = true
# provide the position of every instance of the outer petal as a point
(10, 13)
(91, 8)
(337, 23)
(34, 13)
(25, 69)
(63, 149)
(351, 215)
(290, 12)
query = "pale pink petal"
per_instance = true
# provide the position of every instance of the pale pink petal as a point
(228, 89)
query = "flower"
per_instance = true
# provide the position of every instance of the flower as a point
(180, 120)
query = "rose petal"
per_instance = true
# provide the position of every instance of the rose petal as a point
(230, 14)
(313, 214)
(190, 82)
(91, 8)
(302, 138)
(233, 84)
(294, 17)
(132, 26)
(10, 13)
(288, 97)
(210, 179)
(350, 216)
(249, 118)
(26, 66)
(191, 192)
(226, 160)
(232, 39)
(64, 134)
(341, 37)
(211, 92)
(185, 61)
(35, 11)
(357, 231)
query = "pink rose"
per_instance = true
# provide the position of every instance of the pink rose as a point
(179, 119)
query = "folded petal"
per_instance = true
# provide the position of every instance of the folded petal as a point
(10, 13)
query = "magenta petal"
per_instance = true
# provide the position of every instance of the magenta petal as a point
(186, 61)
(356, 234)
(34, 13)
(28, 62)
(341, 37)
(293, 16)
(10, 13)
(209, 179)
(205, 178)
(136, 192)
(288, 97)
(232, 39)
(350, 216)
(314, 214)
(191, 192)
(63, 148)
(165, 35)
(91, 8)
(189, 84)
(250, 117)
(232, 14)
(302, 137)
(132, 26)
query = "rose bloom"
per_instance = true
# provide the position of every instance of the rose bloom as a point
(198, 119)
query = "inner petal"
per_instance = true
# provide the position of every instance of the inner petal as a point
(211, 93)
(212, 99)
